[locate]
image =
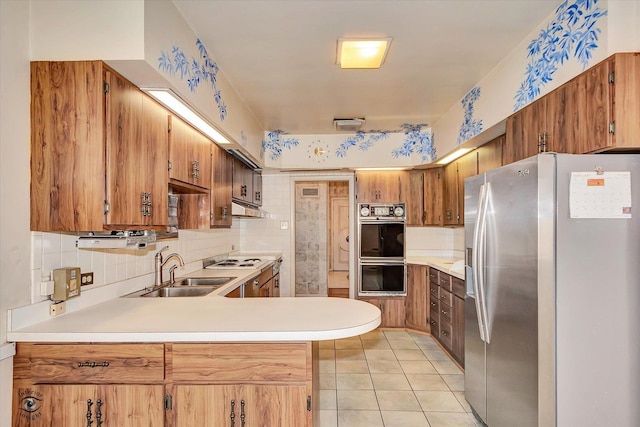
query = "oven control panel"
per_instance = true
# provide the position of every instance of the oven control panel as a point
(381, 211)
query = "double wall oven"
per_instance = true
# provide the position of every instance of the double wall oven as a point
(381, 249)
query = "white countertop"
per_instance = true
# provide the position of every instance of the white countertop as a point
(452, 266)
(208, 318)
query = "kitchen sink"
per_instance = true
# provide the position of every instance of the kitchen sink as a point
(170, 291)
(204, 281)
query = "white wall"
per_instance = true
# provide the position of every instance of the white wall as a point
(14, 176)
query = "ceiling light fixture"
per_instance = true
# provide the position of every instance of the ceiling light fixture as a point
(451, 157)
(173, 102)
(362, 53)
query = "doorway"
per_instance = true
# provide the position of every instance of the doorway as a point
(322, 244)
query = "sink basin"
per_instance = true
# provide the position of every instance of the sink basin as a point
(204, 281)
(169, 291)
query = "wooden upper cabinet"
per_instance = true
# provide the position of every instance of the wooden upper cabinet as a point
(257, 188)
(136, 144)
(524, 130)
(415, 204)
(626, 101)
(189, 155)
(221, 182)
(382, 186)
(490, 154)
(242, 182)
(454, 175)
(98, 150)
(433, 189)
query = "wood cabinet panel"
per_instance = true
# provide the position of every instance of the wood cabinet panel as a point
(242, 182)
(450, 199)
(432, 214)
(67, 177)
(415, 203)
(392, 311)
(490, 154)
(626, 101)
(522, 132)
(227, 363)
(189, 155)
(416, 304)
(382, 186)
(222, 180)
(457, 329)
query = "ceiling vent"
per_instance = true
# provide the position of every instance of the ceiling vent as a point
(348, 125)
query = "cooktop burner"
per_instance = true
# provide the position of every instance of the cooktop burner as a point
(239, 263)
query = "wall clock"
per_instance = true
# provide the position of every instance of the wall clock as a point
(318, 151)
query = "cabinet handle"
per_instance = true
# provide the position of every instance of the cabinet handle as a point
(433, 304)
(433, 322)
(233, 413)
(242, 415)
(89, 420)
(195, 169)
(224, 210)
(99, 413)
(93, 364)
(443, 312)
(449, 214)
(445, 333)
(424, 217)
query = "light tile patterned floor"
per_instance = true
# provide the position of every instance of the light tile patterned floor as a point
(390, 379)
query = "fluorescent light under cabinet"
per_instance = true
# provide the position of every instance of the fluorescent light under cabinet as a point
(170, 100)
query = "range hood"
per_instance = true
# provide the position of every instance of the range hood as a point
(242, 211)
(129, 239)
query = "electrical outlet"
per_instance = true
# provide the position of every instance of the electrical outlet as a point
(56, 309)
(86, 279)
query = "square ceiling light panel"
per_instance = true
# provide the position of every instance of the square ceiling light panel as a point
(362, 53)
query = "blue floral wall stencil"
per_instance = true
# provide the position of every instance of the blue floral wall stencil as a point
(573, 31)
(417, 141)
(195, 72)
(275, 143)
(243, 137)
(470, 127)
(362, 140)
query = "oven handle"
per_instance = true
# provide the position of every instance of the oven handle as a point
(377, 262)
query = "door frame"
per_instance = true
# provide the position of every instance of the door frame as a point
(348, 177)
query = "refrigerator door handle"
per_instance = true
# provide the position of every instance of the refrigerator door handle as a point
(476, 267)
(481, 259)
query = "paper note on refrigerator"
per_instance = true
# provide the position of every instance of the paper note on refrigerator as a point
(600, 195)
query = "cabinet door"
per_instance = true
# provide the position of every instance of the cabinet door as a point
(417, 296)
(625, 98)
(276, 285)
(382, 186)
(450, 199)
(189, 155)
(433, 189)
(68, 405)
(257, 188)
(242, 182)
(490, 155)
(467, 167)
(457, 322)
(415, 204)
(222, 179)
(523, 130)
(155, 136)
(562, 124)
(67, 177)
(247, 405)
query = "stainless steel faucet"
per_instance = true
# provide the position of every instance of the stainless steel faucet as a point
(160, 262)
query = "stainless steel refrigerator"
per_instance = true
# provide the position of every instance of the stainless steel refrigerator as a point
(552, 310)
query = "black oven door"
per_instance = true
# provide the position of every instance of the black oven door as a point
(382, 279)
(382, 240)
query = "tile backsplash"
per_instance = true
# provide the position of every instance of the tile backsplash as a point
(435, 242)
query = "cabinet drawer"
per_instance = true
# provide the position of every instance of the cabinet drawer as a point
(433, 290)
(241, 362)
(97, 363)
(434, 323)
(433, 275)
(445, 297)
(457, 286)
(445, 281)
(445, 333)
(445, 313)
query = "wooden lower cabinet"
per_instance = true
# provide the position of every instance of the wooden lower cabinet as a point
(417, 302)
(240, 405)
(392, 308)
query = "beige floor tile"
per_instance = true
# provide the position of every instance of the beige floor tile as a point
(438, 401)
(352, 367)
(328, 418)
(435, 354)
(460, 396)
(327, 381)
(350, 354)
(397, 335)
(360, 419)
(380, 355)
(429, 344)
(357, 399)
(348, 343)
(375, 334)
(354, 382)
(446, 367)
(381, 344)
(326, 344)
(409, 355)
(417, 367)
(427, 382)
(327, 354)
(384, 367)
(397, 400)
(455, 382)
(403, 345)
(327, 367)
(328, 399)
(449, 419)
(404, 419)
(416, 336)
(390, 382)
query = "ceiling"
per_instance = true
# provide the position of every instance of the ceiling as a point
(280, 55)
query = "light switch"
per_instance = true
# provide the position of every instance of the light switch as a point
(284, 225)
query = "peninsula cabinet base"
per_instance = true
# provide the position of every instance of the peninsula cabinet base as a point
(166, 385)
